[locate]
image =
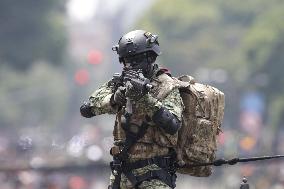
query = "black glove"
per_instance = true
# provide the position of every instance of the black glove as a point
(86, 110)
(136, 84)
(133, 92)
(119, 96)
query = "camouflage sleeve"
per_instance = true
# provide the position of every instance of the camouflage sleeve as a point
(100, 100)
(172, 102)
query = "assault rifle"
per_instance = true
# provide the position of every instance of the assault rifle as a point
(131, 79)
(134, 77)
(134, 80)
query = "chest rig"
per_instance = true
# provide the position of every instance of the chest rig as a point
(137, 131)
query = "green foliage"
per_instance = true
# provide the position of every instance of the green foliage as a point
(31, 30)
(180, 24)
(37, 97)
(244, 38)
(264, 47)
(263, 35)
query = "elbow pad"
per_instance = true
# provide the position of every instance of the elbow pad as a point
(86, 110)
(166, 120)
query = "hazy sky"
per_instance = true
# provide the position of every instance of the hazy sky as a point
(82, 10)
(85, 10)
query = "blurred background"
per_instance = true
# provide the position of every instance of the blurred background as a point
(54, 54)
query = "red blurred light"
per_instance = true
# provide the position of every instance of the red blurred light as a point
(222, 138)
(95, 57)
(77, 182)
(82, 77)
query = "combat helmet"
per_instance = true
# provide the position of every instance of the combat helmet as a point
(136, 42)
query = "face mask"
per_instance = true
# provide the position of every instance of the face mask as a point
(143, 61)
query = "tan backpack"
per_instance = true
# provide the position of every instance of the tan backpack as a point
(202, 118)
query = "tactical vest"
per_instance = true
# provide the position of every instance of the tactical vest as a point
(196, 141)
(155, 142)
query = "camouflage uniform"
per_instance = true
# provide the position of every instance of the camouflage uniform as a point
(152, 184)
(155, 142)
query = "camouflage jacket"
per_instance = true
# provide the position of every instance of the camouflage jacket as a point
(155, 142)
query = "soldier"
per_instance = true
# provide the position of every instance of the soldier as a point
(148, 115)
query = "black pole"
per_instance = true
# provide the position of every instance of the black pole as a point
(233, 161)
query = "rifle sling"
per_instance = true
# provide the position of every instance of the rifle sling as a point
(122, 156)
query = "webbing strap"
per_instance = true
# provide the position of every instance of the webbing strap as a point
(116, 182)
(119, 160)
(116, 167)
(161, 161)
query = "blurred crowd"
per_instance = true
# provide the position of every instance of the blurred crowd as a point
(37, 180)
(24, 166)
(264, 177)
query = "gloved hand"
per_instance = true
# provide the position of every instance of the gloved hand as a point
(136, 84)
(86, 110)
(133, 92)
(119, 96)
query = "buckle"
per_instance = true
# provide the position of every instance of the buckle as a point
(115, 167)
(116, 164)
